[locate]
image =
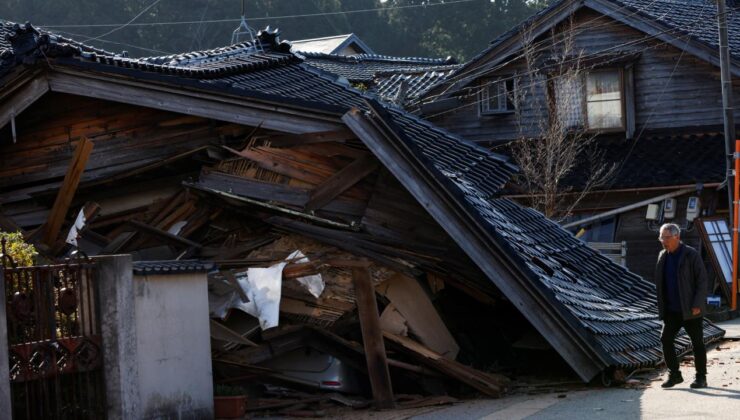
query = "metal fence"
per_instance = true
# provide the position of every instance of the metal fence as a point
(54, 340)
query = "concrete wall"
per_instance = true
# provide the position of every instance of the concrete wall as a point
(115, 284)
(156, 343)
(173, 346)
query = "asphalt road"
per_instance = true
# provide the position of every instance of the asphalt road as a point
(641, 398)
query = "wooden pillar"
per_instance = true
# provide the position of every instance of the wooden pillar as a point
(372, 337)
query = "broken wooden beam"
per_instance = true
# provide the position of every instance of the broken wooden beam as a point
(377, 363)
(341, 182)
(490, 384)
(67, 190)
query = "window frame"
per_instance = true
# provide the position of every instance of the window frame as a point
(553, 100)
(622, 101)
(484, 99)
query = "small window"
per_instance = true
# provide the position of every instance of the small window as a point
(497, 96)
(604, 100)
(592, 101)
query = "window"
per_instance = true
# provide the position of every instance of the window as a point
(497, 96)
(604, 100)
(593, 100)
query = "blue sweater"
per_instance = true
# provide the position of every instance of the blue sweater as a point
(672, 295)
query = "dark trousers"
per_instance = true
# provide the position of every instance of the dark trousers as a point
(672, 322)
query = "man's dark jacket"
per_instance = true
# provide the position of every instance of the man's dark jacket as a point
(692, 282)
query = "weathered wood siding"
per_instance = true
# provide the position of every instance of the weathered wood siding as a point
(124, 136)
(672, 89)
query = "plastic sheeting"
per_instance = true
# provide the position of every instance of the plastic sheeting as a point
(263, 287)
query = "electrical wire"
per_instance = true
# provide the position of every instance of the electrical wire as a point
(154, 3)
(99, 25)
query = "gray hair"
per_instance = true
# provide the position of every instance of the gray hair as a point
(671, 227)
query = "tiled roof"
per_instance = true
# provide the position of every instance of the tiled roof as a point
(695, 18)
(660, 161)
(364, 67)
(170, 267)
(614, 308)
(389, 85)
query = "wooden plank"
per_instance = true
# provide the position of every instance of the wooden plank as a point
(377, 364)
(67, 191)
(10, 108)
(490, 384)
(393, 322)
(311, 138)
(412, 302)
(340, 182)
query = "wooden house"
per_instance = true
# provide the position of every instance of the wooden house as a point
(648, 87)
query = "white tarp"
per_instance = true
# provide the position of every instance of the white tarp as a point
(263, 287)
(76, 227)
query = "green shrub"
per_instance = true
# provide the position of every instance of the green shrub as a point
(22, 253)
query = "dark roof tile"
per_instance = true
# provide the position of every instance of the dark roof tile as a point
(170, 267)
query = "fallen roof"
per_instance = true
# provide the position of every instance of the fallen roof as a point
(595, 313)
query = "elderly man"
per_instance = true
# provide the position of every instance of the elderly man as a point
(682, 291)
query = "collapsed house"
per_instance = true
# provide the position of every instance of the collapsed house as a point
(267, 167)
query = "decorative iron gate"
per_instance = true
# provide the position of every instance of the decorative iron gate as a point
(54, 340)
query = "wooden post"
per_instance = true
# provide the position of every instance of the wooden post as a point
(67, 190)
(372, 337)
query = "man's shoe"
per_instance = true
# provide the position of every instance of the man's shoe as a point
(699, 382)
(673, 379)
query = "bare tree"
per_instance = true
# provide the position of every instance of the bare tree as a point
(551, 146)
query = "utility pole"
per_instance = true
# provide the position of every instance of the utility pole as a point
(729, 117)
(729, 126)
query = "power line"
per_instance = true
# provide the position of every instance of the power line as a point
(154, 3)
(118, 43)
(307, 15)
